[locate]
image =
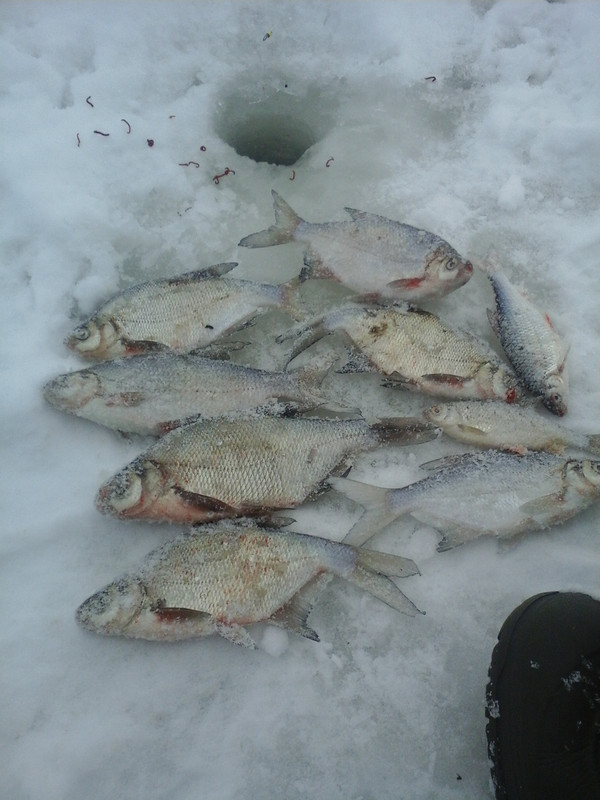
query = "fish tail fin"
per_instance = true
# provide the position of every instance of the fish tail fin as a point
(311, 376)
(593, 444)
(292, 298)
(371, 574)
(375, 501)
(305, 335)
(286, 222)
(490, 263)
(404, 430)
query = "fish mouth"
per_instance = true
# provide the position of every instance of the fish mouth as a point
(555, 403)
(112, 609)
(122, 495)
(71, 391)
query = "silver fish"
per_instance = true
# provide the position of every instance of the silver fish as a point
(478, 494)
(516, 428)
(370, 254)
(222, 468)
(224, 578)
(152, 394)
(416, 349)
(181, 314)
(529, 340)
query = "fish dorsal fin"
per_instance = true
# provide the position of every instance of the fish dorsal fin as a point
(294, 614)
(356, 214)
(216, 271)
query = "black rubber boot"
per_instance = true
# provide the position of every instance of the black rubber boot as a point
(543, 700)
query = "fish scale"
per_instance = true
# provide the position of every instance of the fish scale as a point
(179, 314)
(222, 468)
(258, 460)
(416, 348)
(272, 566)
(220, 578)
(219, 302)
(529, 340)
(370, 254)
(478, 494)
(153, 393)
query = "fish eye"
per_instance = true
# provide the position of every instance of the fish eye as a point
(435, 410)
(451, 264)
(122, 494)
(82, 333)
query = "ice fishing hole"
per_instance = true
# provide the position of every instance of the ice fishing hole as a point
(274, 126)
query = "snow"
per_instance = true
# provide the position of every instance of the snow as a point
(499, 151)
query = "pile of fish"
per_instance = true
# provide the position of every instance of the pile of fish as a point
(237, 444)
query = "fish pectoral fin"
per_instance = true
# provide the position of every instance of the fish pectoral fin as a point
(493, 320)
(561, 366)
(406, 283)
(134, 346)
(275, 521)
(445, 462)
(457, 381)
(128, 399)
(314, 266)
(235, 633)
(294, 614)
(542, 506)
(205, 502)
(175, 614)
(471, 430)
(395, 380)
(219, 351)
(170, 424)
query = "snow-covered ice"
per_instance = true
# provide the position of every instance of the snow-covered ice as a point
(500, 150)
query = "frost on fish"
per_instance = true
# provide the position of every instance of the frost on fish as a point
(507, 427)
(219, 579)
(222, 468)
(529, 340)
(415, 349)
(371, 254)
(180, 314)
(478, 494)
(154, 393)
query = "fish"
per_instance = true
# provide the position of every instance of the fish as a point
(516, 427)
(220, 579)
(415, 349)
(181, 314)
(370, 254)
(214, 469)
(154, 393)
(528, 338)
(480, 494)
